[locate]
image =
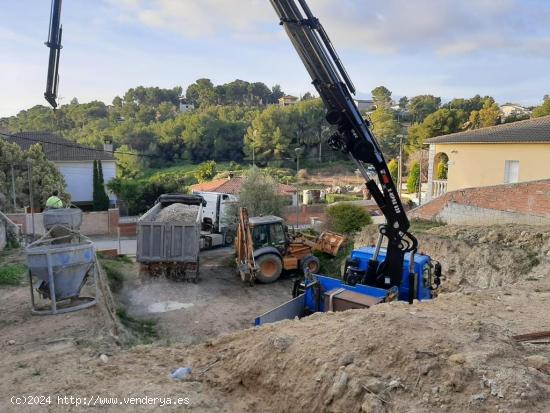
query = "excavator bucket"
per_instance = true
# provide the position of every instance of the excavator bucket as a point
(330, 243)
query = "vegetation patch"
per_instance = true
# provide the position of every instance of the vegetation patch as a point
(11, 274)
(115, 275)
(145, 331)
(423, 225)
(332, 266)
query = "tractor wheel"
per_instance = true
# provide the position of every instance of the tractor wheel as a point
(270, 266)
(311, 263)
(229, 238)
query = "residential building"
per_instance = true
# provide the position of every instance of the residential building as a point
(74, 161)
(502, 154)
(233, 184)
(185, 106)
(364, 105)
(511, 109)
(288, 100)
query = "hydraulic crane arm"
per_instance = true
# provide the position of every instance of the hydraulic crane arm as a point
(54, 44)
(353, 137)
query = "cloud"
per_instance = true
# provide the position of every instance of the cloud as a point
(443, 27)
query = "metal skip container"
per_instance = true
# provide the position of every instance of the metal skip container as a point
(62, 270)
(60, 220)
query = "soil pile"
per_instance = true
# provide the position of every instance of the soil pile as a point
(482, 257)
(178, 214)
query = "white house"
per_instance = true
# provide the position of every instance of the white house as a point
(185, 106)
(511, 109)
(74, 161)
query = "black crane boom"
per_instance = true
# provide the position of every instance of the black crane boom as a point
(354, 136)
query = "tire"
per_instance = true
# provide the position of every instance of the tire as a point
(312, 263)
(270, 268)
(229, 238)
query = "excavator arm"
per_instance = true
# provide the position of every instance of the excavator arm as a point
(353, 135)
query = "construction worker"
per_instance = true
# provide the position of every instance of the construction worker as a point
(54, 201)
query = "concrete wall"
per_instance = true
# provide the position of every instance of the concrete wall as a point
(93, 223)
(527, 203)
(476, 165)
(79, 178)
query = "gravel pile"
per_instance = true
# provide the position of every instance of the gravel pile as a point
(178, 213)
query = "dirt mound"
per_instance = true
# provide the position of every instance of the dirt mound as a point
(482, 257)
(178, 214)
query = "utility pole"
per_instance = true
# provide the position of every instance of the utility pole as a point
(30, 194)
(420, 177)
(400, 165)
(298, 153)
(13, 188)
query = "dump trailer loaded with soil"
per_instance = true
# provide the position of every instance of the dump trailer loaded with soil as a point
(168, 239)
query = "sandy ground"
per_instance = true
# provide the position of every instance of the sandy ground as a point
(452, 354)
(218, 304)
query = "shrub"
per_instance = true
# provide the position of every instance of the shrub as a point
(413, 181)
(393, 166)
(441, 170)
(346, 218)
(205, 171)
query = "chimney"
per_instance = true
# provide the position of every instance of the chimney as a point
(108, 145)
(230, 176)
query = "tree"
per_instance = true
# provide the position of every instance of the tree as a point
(403, 102)
(386, 129)
(381, 96)
(201, 93)
(489, 115)
(103, 197)
(205, 171)
(346, 218)
(413, 180)
(259, 195)
(276, 94)
(393, 166)
(543, 109)
(45, 177)
(422, 105)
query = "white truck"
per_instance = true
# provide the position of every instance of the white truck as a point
(217, 228)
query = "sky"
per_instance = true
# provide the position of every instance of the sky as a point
(447, 48)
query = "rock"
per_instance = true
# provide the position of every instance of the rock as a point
(371, 404)
(346, 359)
(538, 362)
(374, 385)
(457, 358)
(11, 342)
(478, 398)
(281, 342)
(509, 309)
(435, 390)
(104, 358)
(395, 384)
(339, 386)
(180, 373)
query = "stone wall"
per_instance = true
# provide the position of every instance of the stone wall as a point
(526, 203)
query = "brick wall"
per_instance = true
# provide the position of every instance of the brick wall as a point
(526, 202)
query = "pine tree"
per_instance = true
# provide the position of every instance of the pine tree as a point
(103, 198)
(413, 181)
(95, 196)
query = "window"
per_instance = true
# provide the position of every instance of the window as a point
(511, 172)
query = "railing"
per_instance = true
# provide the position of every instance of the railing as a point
(439, 187)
